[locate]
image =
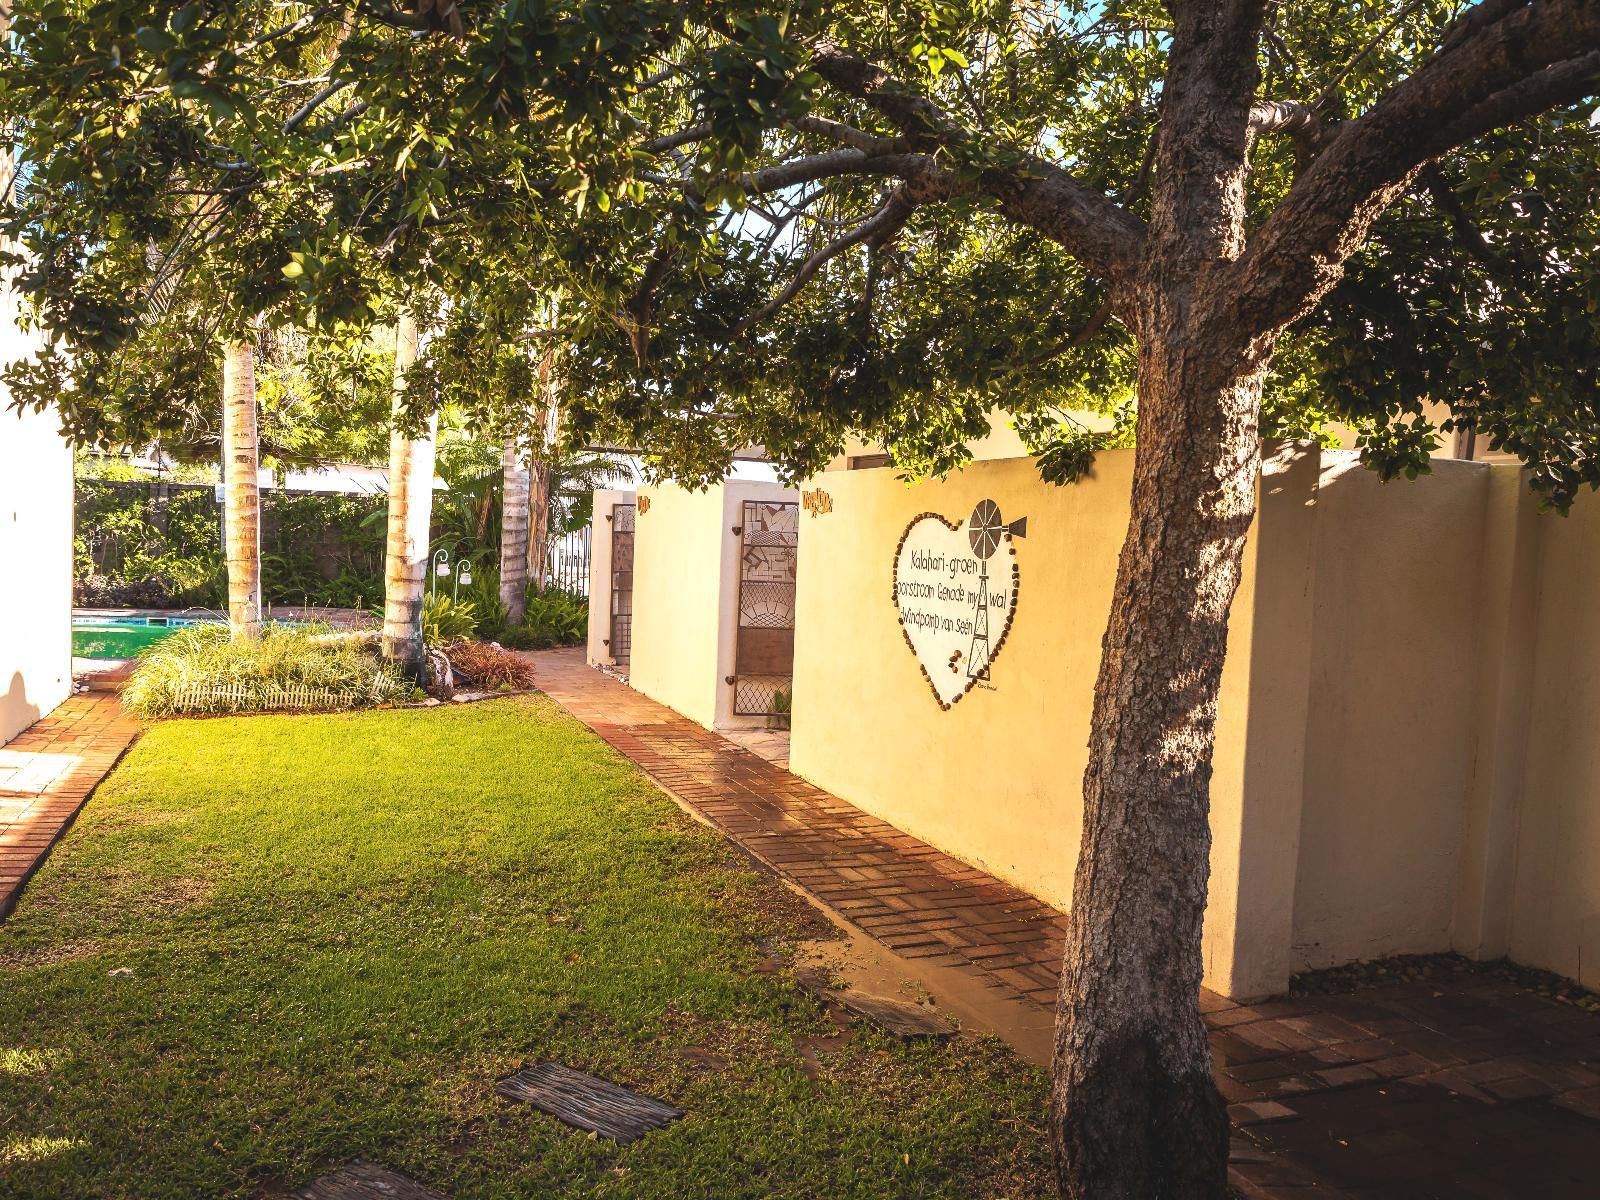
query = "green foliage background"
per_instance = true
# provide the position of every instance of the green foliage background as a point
(129, 534)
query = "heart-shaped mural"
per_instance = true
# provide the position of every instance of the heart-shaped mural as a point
(956, 588)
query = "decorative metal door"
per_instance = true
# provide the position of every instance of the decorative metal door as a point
(622, 529)
(764, 653)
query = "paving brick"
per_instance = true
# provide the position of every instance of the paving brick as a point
(49, 772)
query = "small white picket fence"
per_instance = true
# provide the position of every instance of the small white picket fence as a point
(235, 697)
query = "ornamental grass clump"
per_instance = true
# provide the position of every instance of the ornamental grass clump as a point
(202, 670)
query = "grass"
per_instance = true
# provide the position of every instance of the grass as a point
(342, 928)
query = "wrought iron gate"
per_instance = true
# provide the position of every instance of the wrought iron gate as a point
(568, 561)
(764, 653)
(622, 528)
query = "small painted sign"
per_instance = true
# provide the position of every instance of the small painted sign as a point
(817, 502)
(955, 586)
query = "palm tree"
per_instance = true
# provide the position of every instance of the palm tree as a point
(514, 545)
(242, 513)
(545, 414)
(410, 509)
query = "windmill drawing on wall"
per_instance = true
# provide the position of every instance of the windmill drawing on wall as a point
(985, 531)
(955, 609)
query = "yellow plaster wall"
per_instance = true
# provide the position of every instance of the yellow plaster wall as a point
(677, 598)
(997, 779)
(599, 647)
(1555, 920)
(1391, 726)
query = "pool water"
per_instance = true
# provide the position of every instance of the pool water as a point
(107, 638)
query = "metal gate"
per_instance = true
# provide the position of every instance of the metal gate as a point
(568, 561)
(764, 653)
(622, 526)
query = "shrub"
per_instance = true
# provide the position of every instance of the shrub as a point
(488, 667)
(446, 620)
(201, 670)
(99, 591)
(554, 618)
(489, 613)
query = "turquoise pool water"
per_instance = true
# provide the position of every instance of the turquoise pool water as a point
(106, 637)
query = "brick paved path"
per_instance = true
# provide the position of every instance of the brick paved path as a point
(46, 774)
(1454, 1087)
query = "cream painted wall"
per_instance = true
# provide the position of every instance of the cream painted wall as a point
(993, 780)
(686, 596)
(1391, 726)
(1405, 756)
(1555, 919)
(35, 568)
(599, 639)
(677, 598)
(997, 779)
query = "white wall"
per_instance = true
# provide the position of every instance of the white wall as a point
(35, 555)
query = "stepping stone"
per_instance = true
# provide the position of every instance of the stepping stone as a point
(363, 1181)
(587, 1102)
(904, 1021)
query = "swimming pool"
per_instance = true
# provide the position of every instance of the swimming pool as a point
(124, 637)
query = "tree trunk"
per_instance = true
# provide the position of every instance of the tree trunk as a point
(241, 515)
(1135, 1111)
(410, 511)
(538, 521)
(513, 532)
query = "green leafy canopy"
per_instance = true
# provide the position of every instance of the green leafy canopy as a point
(665, 167)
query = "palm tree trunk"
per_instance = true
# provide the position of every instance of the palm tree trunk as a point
(513, 532)
(539, 521)
(241, 515)
(410, 511)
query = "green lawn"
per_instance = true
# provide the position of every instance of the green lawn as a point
(343, 929)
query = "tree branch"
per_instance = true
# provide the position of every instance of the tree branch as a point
(671, 141)
(1030, 190)
(883, 224)
(849, 135)
(1502, 62)
(317, 101)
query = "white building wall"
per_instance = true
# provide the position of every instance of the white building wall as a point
(35, 552)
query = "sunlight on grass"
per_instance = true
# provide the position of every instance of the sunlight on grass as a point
(34, 1149)
(29, 1062)
(331, 934)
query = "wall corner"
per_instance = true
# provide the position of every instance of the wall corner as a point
(1258, 782)
(1505, 653)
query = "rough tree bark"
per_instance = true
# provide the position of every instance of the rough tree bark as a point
(539, 475)
(410, 512)
(242, 510)
(513, 531)
(1135, 1111)
(539, 520)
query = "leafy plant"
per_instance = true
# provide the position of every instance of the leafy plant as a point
(316, 549)
(445, 619)
(553, 618)
(202, 670)
(782, 707)
(489, 667)
(488, 609)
